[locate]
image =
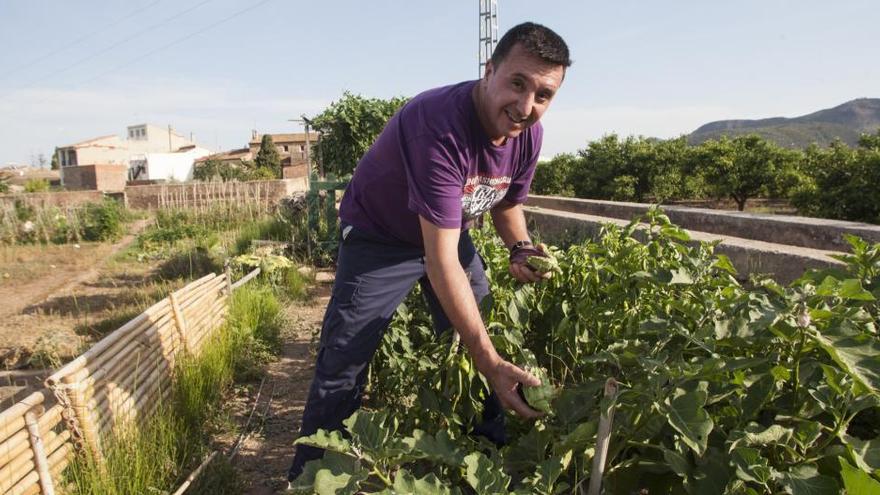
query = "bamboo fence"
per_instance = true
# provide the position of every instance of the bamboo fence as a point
(119, 381)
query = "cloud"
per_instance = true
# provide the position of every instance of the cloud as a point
(568, 130)
(220, 114)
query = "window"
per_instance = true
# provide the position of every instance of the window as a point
(286, 148)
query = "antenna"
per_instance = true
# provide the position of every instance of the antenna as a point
(488, 32)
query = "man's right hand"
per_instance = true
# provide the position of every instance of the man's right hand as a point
(504, 377)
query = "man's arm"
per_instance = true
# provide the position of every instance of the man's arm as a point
(452, 288)
(510, 223)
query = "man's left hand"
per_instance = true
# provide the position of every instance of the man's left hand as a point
(519, 267)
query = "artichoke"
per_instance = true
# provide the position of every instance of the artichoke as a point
(540, 397)
(544, 264)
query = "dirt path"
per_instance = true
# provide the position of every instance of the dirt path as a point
(263, 460)
(84, 265)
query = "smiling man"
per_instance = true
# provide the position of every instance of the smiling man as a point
(448, 156)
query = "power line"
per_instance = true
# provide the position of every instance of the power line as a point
(167, 45)
(115, 45)
(175, 42)
(75, 42)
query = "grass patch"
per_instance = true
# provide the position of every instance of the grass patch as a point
(155, 457)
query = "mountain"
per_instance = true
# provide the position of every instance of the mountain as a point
(846, 121)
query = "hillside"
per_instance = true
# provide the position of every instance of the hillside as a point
(846, 121)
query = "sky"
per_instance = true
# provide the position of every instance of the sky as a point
(217, 69)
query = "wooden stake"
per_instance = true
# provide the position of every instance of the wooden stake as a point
(603, 436)
(40, 461)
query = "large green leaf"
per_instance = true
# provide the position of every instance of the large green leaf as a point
(751, 466)
(548, 471)
(406, 483)
(327, 440)
(756, 435)
(866, 452)
(438, 448)
(685, 413)
(856, 353)
(711, 473)
(583, 436)
(333, 474)
(856, 481)
(483, 475)
(806, 480)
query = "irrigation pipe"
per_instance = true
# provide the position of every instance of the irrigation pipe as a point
(244, 432)
(235, 450)
(195, 474)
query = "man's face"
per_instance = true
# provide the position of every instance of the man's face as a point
(516, 93)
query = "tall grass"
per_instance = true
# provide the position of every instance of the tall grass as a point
(26, 223)
(156, 456)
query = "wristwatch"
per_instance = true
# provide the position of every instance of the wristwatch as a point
(520, 245)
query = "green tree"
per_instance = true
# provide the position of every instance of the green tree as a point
(54, 164)
(742, 168)
(268, 161)
(841, 181)
(349, 126)
(553, 177)
(214, 170)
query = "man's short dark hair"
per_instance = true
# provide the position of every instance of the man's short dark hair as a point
(538, 40)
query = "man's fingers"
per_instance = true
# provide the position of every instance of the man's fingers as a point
(513, 402)
(526, 378)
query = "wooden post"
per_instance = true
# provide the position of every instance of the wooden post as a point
(603, 436)
(179, 320)
(40, 461)
(228, 277)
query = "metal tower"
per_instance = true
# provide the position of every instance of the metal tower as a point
(488, 31)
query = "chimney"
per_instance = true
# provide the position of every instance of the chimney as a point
(253, 134)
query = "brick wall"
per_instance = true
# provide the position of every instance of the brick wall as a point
(295, 171)
(100, 177)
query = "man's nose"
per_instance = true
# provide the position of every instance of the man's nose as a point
(525, 104)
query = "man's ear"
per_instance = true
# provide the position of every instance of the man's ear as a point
(488, 70)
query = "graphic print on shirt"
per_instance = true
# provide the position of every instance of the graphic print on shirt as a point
(481, 193)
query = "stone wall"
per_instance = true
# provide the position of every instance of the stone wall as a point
(783, 263)
(815, 233)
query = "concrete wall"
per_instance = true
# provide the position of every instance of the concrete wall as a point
(205, 193)
(173, 166)
(783, 263)
(816, 233)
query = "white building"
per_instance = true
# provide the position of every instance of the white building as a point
(148, 152)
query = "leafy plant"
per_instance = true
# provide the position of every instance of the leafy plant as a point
(724, 387)
(36, 185)
(349, 126)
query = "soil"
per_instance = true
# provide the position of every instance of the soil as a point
(57, 292)
(264, 457)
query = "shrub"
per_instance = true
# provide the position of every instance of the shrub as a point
(36, 185)
(103, 221)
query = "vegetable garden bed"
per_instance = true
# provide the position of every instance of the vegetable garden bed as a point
(724, 387)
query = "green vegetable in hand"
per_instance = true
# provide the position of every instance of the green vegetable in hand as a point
(540, 397)
(544, 264)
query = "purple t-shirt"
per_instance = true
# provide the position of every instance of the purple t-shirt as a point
(435, 160)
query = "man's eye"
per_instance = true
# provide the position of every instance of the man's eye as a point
(517, 84)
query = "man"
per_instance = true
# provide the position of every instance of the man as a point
(449, 155)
